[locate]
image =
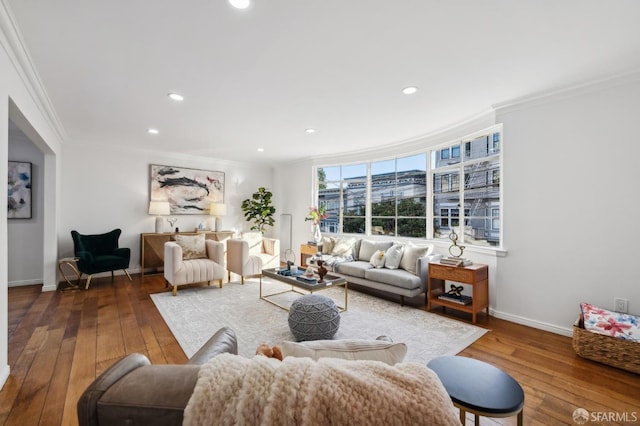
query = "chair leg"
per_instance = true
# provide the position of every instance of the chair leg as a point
(111, 274)
(127, 272)
(86, 287)
(220, 283)
(175, 290)
(242, 280)
(229, 276)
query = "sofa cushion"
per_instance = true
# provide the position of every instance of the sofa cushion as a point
(411, 254)
(355, 349)
(367, 248)
(395, 277)
(393, 256)
(356, 268)
(193, 246)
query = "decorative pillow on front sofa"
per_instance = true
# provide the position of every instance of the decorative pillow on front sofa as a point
(615, 324)
(193, 246)
(393, 256)
(377, 259)
(355, 349)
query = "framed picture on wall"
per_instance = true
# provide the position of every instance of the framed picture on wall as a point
(189, 191)
(19, 186)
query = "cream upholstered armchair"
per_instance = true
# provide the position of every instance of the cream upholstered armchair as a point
(249, 255)
(193, 259)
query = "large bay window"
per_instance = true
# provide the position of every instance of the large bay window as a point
(459, 181)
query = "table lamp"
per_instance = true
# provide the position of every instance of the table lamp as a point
(159, 209)
(217, 210)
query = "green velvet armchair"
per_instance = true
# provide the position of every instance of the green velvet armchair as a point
(100, 253)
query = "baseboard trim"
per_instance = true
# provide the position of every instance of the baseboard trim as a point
(21, 283)
(552, 328)
(4, 375)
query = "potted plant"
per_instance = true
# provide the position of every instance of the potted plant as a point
(259, 210)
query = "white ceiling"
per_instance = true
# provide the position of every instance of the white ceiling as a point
(259, 77)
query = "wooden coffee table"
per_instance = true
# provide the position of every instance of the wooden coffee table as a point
(301, 287)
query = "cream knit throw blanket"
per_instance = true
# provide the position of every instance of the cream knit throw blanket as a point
(233, 390)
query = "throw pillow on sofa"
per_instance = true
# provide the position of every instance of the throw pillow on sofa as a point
(367, 248)
(377, 259)
(411, 254)
(193, 246)
(343, 247)
(393, 256)
(353, 349)
(327, 244)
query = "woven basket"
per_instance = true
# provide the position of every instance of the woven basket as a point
(620, 353)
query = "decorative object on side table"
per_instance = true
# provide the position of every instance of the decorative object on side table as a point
(315, 215)
(455, 295)
(456, 252)
(322, 271)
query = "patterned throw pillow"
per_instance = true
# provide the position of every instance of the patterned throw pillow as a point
(615, 324)
(377, 259)
(193, 246)
(392, 256)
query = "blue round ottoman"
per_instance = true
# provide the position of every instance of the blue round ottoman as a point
(314, 317)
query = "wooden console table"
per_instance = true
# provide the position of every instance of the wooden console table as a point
(152, 245)
(476, 275)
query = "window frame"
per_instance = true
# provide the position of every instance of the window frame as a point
(452, 167)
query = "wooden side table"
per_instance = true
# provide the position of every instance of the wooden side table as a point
(476, 275)
(70, 263)
(306, 251)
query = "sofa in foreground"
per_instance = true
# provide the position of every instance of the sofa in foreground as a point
(217, 387)
(393, 267)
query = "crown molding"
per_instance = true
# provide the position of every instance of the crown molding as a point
(12, 44)
(567, 92)
(447, 134)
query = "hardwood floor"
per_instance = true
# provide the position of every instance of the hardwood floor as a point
(60, 341)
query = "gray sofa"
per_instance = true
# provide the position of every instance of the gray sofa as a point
(132, 391)
(406, 277)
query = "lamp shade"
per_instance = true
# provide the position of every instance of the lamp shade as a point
(159, 208)
(217, 209)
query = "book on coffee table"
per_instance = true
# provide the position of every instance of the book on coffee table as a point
(308, 280)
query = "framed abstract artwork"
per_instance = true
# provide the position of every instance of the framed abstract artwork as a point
(19, 201)
(189, 191)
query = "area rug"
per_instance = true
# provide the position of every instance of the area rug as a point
(195, 314)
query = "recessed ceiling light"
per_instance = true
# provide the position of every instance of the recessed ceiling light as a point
(260, 149)
(240, 4)
(153, 131)
(176, 97)
(410, 90)
(310, 130)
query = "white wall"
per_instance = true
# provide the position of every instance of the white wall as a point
(571, 173)
(22, 99)
(25, 236)
(571, 163)
(105, 188)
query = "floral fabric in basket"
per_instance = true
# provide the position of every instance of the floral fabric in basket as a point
(615, 324)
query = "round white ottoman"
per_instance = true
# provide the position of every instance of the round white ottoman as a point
(314, 317)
